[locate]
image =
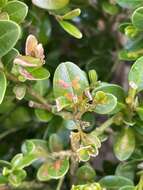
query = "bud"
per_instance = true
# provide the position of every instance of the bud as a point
(93, 77)
(19, 91)
(100, 97)
(131, 31)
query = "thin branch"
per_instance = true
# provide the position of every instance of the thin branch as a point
(59, 187)
(30, 91)
(105, 125)
(33, 104)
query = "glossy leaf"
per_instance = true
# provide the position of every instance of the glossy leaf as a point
(28, 61)
(61, 103)
(3, 180)
(16, 10)
(108, 106)
(43, 115)
(16, 177)
(88, 186)
(38, 73)
(115, 182)
(42, 173)
(139, 111)
(83, 154)
(55, 143)
(58, 168)
(54, 169)
(7, 60)
(3, 85)
(48, 4)
(20, 161)
(125, 144)
(128, 188)
(135, 74)
(137, 18)
(92, 139)
(72, 14)
(9, 34)
(85, 174)
(71, 29)
(126, 169)
(36, 147)
(3, 2)
(129, 3)
(5, 163)
(115, 90)
(69, 81)
(110, 8)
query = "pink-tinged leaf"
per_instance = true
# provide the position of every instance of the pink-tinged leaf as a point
(70, 82)
(28, 61)
(39, 52)
(38, 73)
(34, 49)
(31, 43)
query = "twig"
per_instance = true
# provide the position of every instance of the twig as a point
(60, 184)
(10, 131)
(105, 125)
(30, 91)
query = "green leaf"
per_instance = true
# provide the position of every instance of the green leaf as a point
(128, 188)
(37, 73)
(72, 14)
(69, 81)
(130, 3)
(43, 115)
(83, 154)
(48, 4)
(58, 168)
(61, 103)
(9, 34)
(43, 174)
(137, 18)
(115, 182)
(112, 89)
(16, 177)
(108, 106)
(115, 90)
(110, 8)
(3, 2)
(4, 163)
(125, 144)
(92, 139)
(36, 147)
(126, 169)
(42, 87)
(85, 174)
(128, 55)
(55, 143)
(21, 161)
(139, 111)
(16, 10)
(88, 186)
(3, 85)
(54, 169)
(71, 29)
(3, 180)
(28, 61)
(7, 59)
(135, 74)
